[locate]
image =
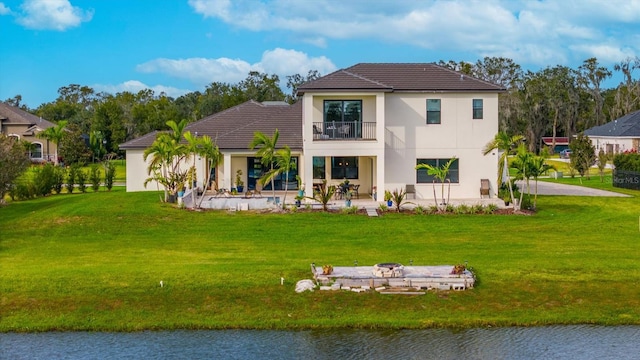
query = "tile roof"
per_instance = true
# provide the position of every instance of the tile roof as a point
(398, 77)
(626, 126)
(233, 129)
(16, 116)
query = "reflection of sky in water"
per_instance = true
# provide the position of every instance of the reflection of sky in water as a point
(556, 342)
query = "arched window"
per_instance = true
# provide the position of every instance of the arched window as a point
(36, 150)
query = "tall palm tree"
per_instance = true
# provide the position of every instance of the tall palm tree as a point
(192, 149)
(523, 165)
(266, 152)
(211, 153)
(538, 167)
(284, 165)
(54, 134)
(505, 145)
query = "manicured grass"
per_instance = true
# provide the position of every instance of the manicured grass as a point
(94, 262)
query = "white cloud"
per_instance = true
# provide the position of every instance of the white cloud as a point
(134, 86)
(52, 14)
(201, 71)
(539, 32)
(4, 10)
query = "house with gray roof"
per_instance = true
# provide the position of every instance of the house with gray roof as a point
(619, 135)
(370, 124)
(15, 122)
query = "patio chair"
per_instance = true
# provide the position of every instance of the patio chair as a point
(344, 131)
(317, 134)
(354, 191)
(410, 189)
(484, 188)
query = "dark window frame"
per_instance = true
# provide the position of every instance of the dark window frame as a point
(422, 177)
(478, 111)
(434, 116)
(344, 116)
(319, 170)
(344, 167)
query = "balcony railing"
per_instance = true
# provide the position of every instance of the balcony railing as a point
(344, 130)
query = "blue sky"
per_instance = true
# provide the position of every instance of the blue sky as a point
(178, 46)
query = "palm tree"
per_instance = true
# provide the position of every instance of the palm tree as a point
(266, 152)
(523, 165)
(54, 134)
(192, 149)
(505, 145)
(166, 154)
(324, 193)
(284, 165)
(538, 167)
(211, 153)
(439, 173)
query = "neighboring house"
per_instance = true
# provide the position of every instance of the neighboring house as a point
(617, 136)
(370, 123)
(25, 126)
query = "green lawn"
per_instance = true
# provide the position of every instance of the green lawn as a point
(94, 262)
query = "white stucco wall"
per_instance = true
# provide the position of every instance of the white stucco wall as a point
(618, 144)
(408, 138)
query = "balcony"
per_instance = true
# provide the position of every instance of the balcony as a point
(345, 130)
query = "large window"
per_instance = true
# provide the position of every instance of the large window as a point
(344, 167)
(342, 110)
(319, 170)
(423, 177)
(433, 111)
(477, 108)
(255, 170)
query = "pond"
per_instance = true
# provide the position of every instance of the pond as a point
(550, 342)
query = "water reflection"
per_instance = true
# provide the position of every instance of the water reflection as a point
(557, 342)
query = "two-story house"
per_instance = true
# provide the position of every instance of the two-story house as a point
(369, 123)
(15, 122)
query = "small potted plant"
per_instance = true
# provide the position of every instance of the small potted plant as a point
(347, 198)
(239, 182)
(388, 197)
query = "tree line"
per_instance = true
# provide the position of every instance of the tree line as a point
(554, 101)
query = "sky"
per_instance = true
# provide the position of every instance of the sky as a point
(180, 46)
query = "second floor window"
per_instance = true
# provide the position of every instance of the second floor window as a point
(477, 108)
(342, 110)
(433, 111)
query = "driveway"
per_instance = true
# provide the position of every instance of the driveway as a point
(549, 188)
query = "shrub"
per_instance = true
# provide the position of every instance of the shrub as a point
(71, 179)
(44, 180)
(59, 174)
(462, 209)
(383, 207)
(628, 161)
(350, 210)
(419, 210)
(81, 179)
(23, 191)
(94, 177)
(490, 209)
(109, 174)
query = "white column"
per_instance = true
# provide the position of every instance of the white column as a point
(226, 173)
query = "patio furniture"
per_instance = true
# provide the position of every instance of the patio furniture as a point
(410, 189)
(484, 188)
(354, 191)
